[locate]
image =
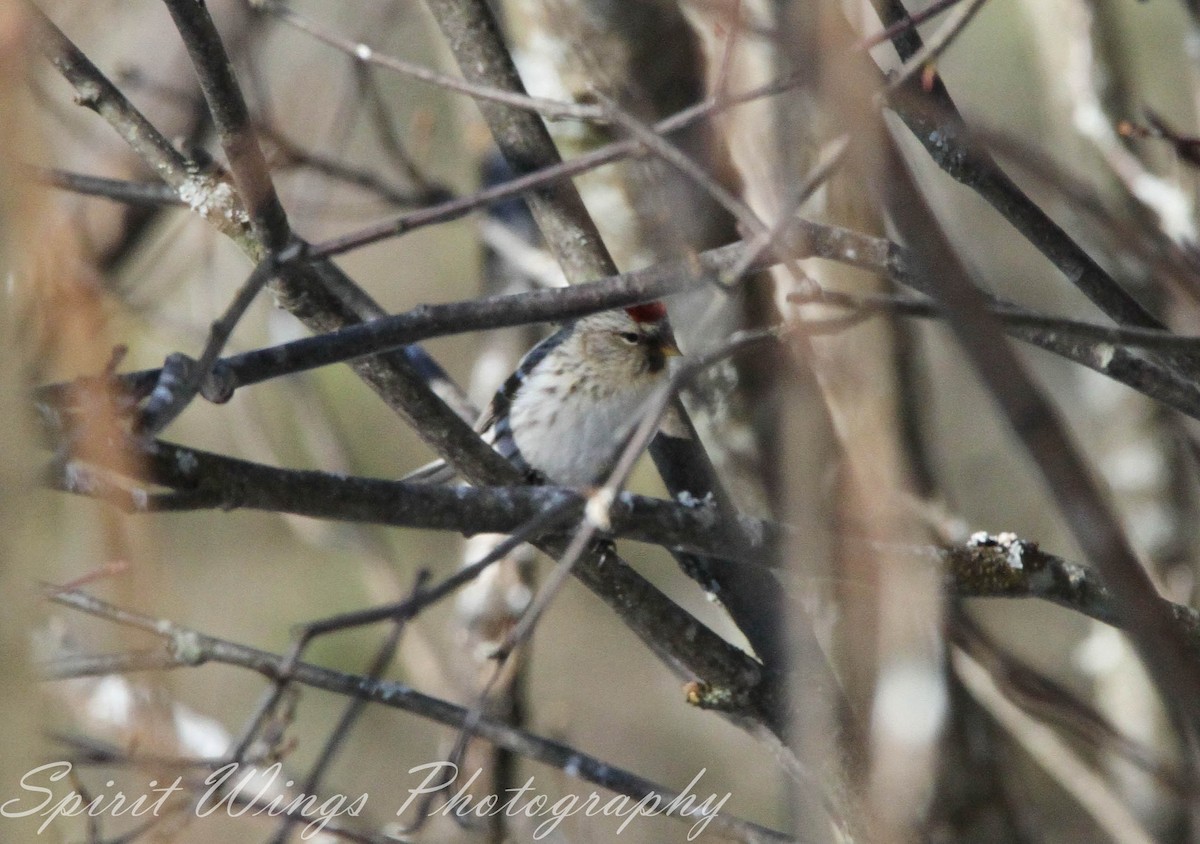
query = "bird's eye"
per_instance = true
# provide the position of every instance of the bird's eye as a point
(630, 337)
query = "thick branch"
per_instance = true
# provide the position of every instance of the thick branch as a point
(672, 633)
(213, 481)
(568, 229)
(1004, 566)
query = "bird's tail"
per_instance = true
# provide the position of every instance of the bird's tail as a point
(437, 472)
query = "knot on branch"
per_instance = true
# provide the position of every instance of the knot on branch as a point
(220, 384)
(187, 647)
(214, 198)
(89, 95)
(719, 698)
(166, 400)
(1001, 564)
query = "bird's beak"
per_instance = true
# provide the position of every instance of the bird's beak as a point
(667, 344)
(662, 346)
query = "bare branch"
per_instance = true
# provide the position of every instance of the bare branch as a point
(188, 647)
(1005, 566)
(910, 22)
(365, 54)
(118, 190)
(927, 55)
(95, 92)
(1034, 420)
(232, 121)
(534, 182)
(229, 483)
(935, 121)
(1101, 348)
(203, 192)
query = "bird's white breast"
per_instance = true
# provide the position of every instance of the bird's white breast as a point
(572, 436)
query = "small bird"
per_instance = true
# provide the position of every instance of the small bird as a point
(560, 416)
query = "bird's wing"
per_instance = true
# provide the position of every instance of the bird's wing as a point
(439, 471)
(493, 423)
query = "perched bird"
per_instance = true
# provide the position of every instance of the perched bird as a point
(560, 416)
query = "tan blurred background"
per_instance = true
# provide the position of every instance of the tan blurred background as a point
(251, 577)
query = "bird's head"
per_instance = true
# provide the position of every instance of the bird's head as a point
(633, 343)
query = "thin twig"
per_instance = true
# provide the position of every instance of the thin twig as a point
(352, 712)
(291, 153)
(545, 520)
(390, 139)
(1010, 315)
(828, 163)
(118, 190)
(539, 180)
(937, 45)
(671, 154)
(96, 92)
(909, 23)
(363, 53)
(171, 399)
(516, 637)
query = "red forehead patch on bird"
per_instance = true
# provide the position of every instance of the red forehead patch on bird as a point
(649, 312)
